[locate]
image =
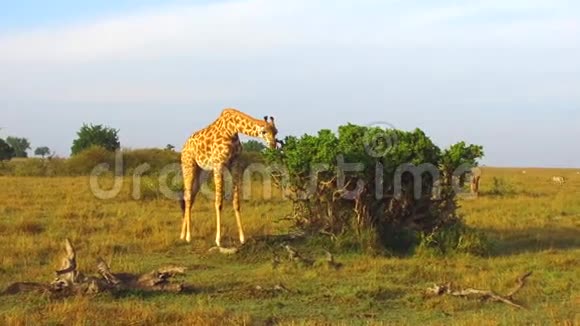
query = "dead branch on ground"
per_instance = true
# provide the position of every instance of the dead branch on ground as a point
(485, 295)
(69, 281)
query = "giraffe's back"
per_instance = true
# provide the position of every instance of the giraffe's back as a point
(207, 149)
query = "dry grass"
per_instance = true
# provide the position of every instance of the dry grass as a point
(535, 226)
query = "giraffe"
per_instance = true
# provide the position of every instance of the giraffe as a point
(217, 148)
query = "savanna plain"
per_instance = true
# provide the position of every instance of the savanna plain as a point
(533, 224)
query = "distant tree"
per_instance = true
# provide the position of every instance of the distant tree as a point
(6, 151)
(457, 155)
(169, 147)
(20, 146)
(253, 146)
(42, 151)
(96, 135)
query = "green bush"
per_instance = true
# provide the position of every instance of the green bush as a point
(56, 166)
(149, 189)
(500, 187)
(453, 239)
(85, 162)
(156, 158)
(253, 146)
(30, 167)
(35, 167)
(6, 168)
(382, 195)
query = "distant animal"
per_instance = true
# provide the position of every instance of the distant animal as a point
(475, 179)
(558, 180)
(524, 172)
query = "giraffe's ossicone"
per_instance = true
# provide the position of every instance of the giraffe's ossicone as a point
(217, 148)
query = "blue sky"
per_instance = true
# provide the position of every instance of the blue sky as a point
(38, 13)
(503, 74)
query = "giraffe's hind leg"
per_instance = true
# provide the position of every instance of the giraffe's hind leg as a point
(191, 174)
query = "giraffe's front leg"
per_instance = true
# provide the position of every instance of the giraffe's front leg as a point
(186, 227)
(237, 178)
(218, 180)
(185, 217)
(189, 198)
(239, 216)
(190, 185)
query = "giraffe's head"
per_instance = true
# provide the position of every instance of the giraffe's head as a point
(269, 132)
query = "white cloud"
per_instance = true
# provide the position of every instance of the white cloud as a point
(257, 25)
(472, 9)
(231, 26)
(136, 35)
(105, 60)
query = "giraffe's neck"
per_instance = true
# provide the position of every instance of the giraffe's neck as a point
(239, 122)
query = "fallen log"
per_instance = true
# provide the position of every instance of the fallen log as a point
(486, 295)
(69, 281)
